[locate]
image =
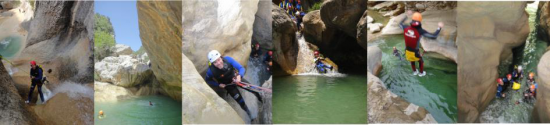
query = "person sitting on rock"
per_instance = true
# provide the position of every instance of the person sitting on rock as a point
(517, 73)
(396, 53)
(319, 62)
(223, 72)
(255, 51)
(531, 78)
(530, 93)
(412, 36)
(507, 81)
(268, 59)
(36, 79)
(500, 88)
(298, 21)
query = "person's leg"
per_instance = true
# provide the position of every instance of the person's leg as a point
(40, 92)
(421, 62)
(234, 92)
(413, 66)
(29, 98)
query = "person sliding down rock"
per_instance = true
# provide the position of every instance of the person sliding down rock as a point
(321, 67)
(36, 79)
(225, 72)
(412, 35)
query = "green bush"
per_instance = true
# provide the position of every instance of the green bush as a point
(316, 6)
(104, 37)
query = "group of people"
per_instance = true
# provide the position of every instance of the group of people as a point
(267, 59)
(514, 80)
(295, 10)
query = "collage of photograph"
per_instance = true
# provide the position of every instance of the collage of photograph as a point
(173, 62)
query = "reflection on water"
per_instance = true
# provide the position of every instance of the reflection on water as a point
(319, 99)
(138, 111)
(10, 46)
(437, 91)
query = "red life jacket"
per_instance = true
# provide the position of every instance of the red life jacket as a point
(412, 36)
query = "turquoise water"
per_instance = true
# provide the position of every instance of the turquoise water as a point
(512, 109)
(437, 91)
(10, 46)
(137, 111)
(319, 99)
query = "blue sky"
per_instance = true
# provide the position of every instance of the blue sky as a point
(124, 17)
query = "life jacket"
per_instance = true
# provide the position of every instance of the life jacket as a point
(224, 75)
(412, 36)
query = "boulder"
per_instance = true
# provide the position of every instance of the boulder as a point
(200, 102)
(121, 49)
(228, 28)
(541, 111)
(393, 25)
(13, 108)
(262, 26)
(383, 106)
(486, 38)
(544, 17)
(160, 32)
(123, 71)
(314, 28)
(374, 27)
(343, 14)
(375, 60)
(422, 6)
(284, 40)
(106, 92)
(266, 110)
(445, 44)
(369, 19)
(385, 6)
(7, 5)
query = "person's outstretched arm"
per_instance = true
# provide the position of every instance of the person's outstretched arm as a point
(235, 65)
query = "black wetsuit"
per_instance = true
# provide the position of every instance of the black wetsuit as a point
(37, 80)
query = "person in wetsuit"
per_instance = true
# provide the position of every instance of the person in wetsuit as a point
(224, 72)
(412, 36)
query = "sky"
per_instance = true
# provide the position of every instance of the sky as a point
(124, 17)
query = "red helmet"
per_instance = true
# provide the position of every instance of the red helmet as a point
(270, 53)
(33, 63)
(499, 80)
(509, 75)
(316, 52)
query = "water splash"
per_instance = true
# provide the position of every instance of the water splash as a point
(74, 90)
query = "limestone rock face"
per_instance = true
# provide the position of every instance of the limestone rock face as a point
(284, 40)
(121, 49)
(160, 31)
(13, 108)
(313, 25)
(343, 14)
(375, 60)
(262, 25)
(487, 35)
(227, 28)
(123, 71)
(60, 37)
(200, 102)
(386, 107)
(540, 113)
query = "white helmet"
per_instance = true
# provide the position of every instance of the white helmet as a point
(213, 55)
(519, 68)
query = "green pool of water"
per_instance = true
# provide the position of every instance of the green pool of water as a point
(319, 99)
(137, 111)
(10, 46)
(437, 91)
